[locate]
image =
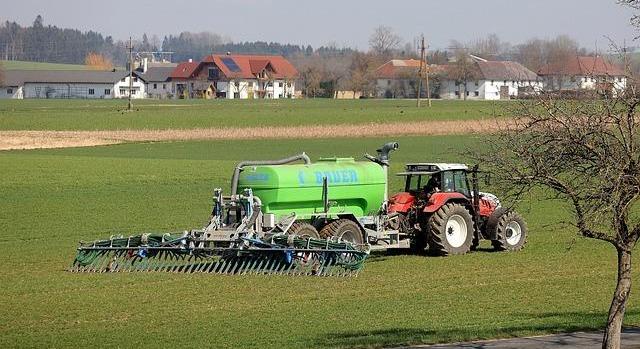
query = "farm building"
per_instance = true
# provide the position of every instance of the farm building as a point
(235, 77)
(59, 84)
(583, 73)
(489, 80)
(397, 79)
(152, 81)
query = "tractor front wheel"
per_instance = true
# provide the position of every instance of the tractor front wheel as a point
(511, 232)
(450, 230)
(345, 229)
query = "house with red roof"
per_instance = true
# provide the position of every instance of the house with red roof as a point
(583, 73)
(235, 77)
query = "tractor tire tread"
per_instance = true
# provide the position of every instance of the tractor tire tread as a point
(500, 244)
(333, 229)
(437, 230)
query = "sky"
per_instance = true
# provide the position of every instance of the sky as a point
(342, 22)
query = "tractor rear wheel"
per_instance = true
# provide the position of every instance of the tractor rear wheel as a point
(304, 230)
(450, 230)
(345, 229)
(511, 232)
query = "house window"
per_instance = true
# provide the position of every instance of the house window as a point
(477, 93)
(214, 73)
(9, 91)
(505, 82)
(164, 86)
(123, 79)
(270, 84)
(122, 91)
(467, 92)
(477, 83)
(457, 93)
(513, 83)
(135, 79)
(155, 86)
(388, 82)
(92, 91)
(492, 82)
(107, 91)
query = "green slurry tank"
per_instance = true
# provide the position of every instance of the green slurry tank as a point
(348, 186)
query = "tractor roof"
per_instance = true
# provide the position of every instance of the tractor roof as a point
(428, 168)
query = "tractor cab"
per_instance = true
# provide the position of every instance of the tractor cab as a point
(424, 179)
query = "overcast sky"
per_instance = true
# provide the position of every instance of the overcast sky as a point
(344, 22)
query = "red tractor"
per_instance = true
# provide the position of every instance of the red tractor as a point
(443, 212)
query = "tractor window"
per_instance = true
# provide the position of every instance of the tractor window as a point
(413, 183)
(460, 182)
(447, 181)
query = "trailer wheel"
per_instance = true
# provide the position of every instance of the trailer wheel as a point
(511, 232)
(345, 229)
(450, 230)
(305, 230)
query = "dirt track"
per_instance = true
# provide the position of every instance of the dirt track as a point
(64, 139)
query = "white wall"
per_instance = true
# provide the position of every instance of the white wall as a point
(64, 90)
(121, 88)
(492, 87)
(485, 89)
(11, 92)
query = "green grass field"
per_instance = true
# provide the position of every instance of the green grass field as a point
(24, 65)
(181, 114)
(53, 198)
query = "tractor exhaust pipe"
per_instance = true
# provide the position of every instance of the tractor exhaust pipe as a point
(236, 173)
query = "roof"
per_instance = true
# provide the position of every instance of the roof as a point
(157, 73)
(582, 65)
(505, 70)
(19, 77)
(487, 70)
(428, 168)
(248, 66)
(184, 70)
(396, 67)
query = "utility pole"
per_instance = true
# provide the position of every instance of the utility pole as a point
(130, 47)
(424, 71)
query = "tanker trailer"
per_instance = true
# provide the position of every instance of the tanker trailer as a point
(280, 217)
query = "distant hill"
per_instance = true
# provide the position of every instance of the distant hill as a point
(23, 65)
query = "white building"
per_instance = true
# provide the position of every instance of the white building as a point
(59, 84)
(584, 73)
(490, 80)
(235, 77)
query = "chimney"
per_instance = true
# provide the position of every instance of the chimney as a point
(190, 60)
(145, 64)
(228, 53)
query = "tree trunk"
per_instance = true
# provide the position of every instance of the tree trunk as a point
(611, 338)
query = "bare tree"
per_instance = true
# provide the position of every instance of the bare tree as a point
(311, 78)
(634, 4)
(588, 154)
(384, 41)
(463, 70)
(490, 46)
(361, 73)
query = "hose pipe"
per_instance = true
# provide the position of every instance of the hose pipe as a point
(236, 173)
